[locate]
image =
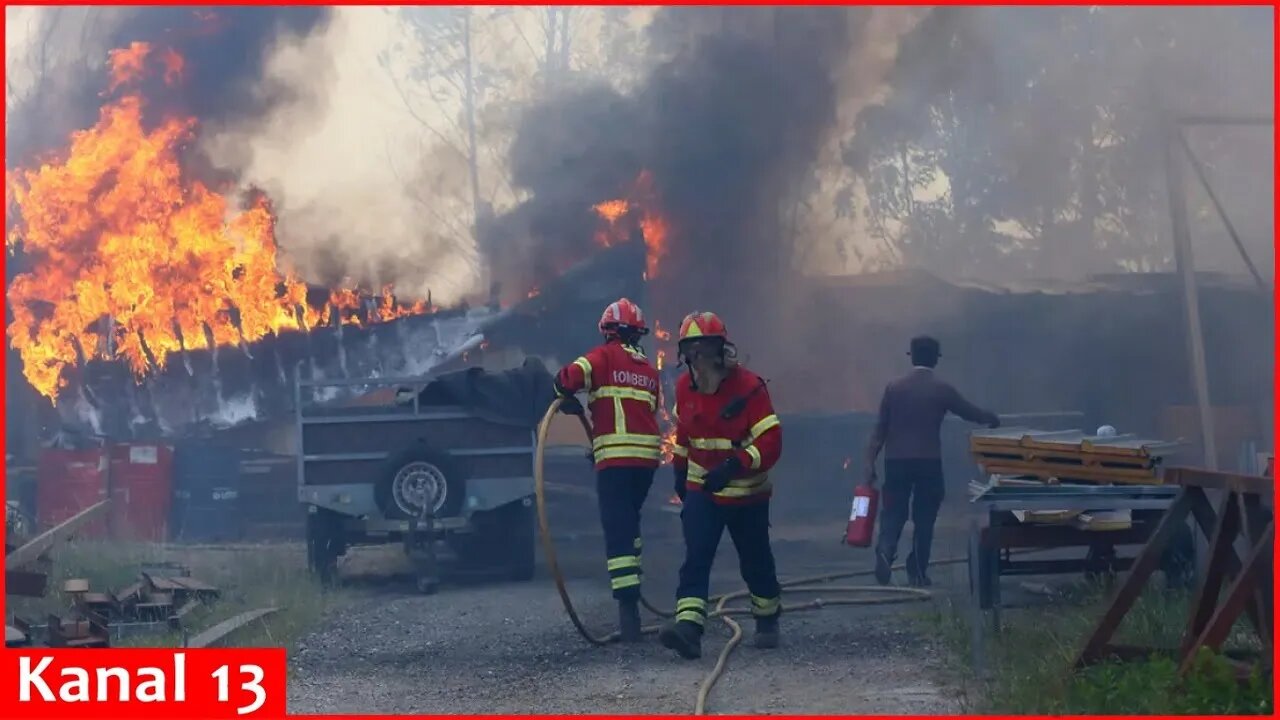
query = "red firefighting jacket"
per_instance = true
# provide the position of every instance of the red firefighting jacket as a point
(704, 439)
(623, 396)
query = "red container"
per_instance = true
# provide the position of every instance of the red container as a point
(68, 481)
(141, 492)
(862, 518)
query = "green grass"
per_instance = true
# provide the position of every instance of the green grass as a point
(249, 577)
(1030, 663)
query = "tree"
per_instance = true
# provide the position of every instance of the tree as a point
(1029, 140)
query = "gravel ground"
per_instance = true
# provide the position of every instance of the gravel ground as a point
(509, 648)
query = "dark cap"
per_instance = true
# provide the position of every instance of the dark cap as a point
(925, 346)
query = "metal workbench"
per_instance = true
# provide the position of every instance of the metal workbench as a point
(994, 533)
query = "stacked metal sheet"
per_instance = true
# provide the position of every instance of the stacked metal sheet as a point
(1070, 456)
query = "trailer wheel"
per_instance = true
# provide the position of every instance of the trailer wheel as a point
(325, 544)
(521, 536)
(418, 476)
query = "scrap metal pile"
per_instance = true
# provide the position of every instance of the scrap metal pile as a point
(160, 601)
(157, 602)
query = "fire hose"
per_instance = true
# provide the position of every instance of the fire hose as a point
(872, 594)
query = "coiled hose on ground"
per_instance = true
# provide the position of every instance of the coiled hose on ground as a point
(870, 594)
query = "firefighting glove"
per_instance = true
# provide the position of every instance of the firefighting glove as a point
(569, 404)
(682, 477)
(719, 477)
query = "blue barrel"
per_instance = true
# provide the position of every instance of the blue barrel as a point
(206, 492)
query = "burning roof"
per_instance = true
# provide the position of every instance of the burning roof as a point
(131, 257)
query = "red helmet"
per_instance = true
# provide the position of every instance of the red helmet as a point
(622, 314)
(702, 324)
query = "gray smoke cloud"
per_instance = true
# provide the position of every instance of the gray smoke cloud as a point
(735, 108)
(225, 49)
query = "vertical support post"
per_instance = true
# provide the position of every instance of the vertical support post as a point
(1190, 294)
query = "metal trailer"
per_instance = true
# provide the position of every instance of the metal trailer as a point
(431, 477)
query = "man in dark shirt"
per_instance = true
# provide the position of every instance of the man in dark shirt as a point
(909, 431)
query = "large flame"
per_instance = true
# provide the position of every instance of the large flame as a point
(130, 259)
(643, 198)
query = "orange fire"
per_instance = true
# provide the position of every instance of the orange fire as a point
(653, 226)
(131, 260)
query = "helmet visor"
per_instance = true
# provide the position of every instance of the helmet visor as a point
(702, 348)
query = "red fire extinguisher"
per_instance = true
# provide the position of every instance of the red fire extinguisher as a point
(862, 519)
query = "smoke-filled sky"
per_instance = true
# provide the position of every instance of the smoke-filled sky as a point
(353, 124)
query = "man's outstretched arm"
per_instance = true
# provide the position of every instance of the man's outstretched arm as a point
(878, 435)
(966, 410)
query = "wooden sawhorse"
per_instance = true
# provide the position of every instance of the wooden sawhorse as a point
(1245, 510)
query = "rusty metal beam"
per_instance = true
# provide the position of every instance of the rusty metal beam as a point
(1190, 295)
(228, 626)
(1241, 120)
(1216, 571)
(25, 584)
(1238, 598)
(1219, 480)
(1203, 176)
(54, 535)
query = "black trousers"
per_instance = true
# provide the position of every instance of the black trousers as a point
(621, 492)
(915, 488)
(704, 522)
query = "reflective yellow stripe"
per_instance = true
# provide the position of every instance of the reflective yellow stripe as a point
(625, 393)
(711, 443)
(626, 439)
(691, 603)
(585, 364)
(764, 606)
(680, 450)
(692, 616)
(619, 417)
(762, 427)
(755, 457)
(696, 470)
(628, 451)
(742, 487)
(623, 561)
(625, 581)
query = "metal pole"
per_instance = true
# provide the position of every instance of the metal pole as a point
(1203, 176)
(1190, 295)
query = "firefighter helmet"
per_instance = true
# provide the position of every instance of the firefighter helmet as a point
(622, 314)
(703, 324)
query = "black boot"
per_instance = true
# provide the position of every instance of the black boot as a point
(767, 632)
(916, 577)
(684, 637)
(884, 567)
(629, 621)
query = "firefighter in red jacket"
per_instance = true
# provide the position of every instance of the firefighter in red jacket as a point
(622, 392)
(727, 440)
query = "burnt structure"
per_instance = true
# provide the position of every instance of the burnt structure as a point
(238, 387)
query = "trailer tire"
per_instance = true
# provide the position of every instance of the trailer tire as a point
(432, 467)
(521, 534)
(326, 542)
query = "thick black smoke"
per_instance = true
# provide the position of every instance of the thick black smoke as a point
(224, 48)
(730, 117)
